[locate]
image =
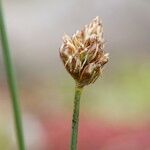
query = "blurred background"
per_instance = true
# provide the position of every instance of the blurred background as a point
(115, 111)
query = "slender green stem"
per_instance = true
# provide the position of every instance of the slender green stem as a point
(75, 118)
(11, 82)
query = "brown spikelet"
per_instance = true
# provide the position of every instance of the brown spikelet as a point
(83, 54)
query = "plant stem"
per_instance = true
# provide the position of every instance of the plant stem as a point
(75, 119)
(11, 82)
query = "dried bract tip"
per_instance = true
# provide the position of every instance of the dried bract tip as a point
(83, 54)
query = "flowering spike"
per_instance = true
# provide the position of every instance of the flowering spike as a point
(83, 54)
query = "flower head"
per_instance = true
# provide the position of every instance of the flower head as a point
(83, 54)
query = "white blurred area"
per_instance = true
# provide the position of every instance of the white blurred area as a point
(35, 28)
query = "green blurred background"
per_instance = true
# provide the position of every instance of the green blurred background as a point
(115, 111)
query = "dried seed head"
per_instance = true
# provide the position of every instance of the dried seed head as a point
(83, 54)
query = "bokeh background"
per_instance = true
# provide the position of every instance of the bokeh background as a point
(115, 111)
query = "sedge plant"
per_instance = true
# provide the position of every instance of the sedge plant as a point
(84, 57)
(11, 81)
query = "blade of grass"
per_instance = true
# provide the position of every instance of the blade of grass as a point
(11, 82)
